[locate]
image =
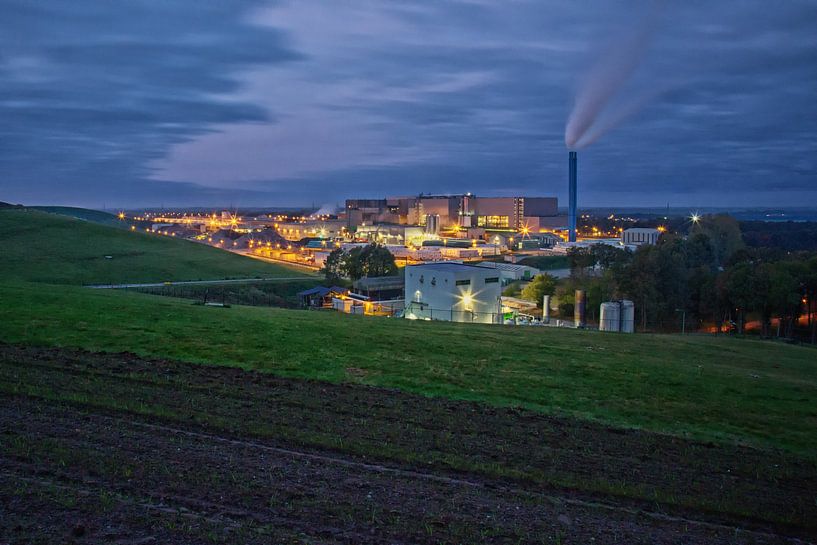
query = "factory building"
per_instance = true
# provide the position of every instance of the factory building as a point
(636, 236)
(514, 213)
(453, 292)
(294, 231)
(390, 233)
(465, 211)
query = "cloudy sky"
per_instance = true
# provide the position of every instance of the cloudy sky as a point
(242, 103)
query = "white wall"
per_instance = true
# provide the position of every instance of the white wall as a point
(452, 292)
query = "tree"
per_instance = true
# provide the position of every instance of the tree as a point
(371, 260)
(639, 281)
(352, 266)
(608, 257)
(783, 298)
(580, 259)
(378, 261)
(541, 285)
(741, 291)
(723, 232)
(333, 266)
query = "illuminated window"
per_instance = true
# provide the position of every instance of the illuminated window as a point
(499, 222)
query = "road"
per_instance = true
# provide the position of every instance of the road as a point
(197, 282)
(247, 253)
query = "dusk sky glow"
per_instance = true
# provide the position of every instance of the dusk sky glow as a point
(251, 103)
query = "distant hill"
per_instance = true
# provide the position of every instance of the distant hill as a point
(85, 214)
(58, 249)
(9, 205)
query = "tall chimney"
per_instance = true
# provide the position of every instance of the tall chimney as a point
(571, 212)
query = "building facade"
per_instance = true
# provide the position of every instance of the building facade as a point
(453, 292)
(459, 211)
(636, 236)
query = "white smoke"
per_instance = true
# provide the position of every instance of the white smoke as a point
(326, 210)
(605, 80)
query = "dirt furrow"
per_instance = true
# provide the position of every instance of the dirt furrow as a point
(344, 483)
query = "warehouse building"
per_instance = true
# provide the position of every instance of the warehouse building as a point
(453, 292)
(636, 236)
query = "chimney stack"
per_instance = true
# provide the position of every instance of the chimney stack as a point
(571, 212)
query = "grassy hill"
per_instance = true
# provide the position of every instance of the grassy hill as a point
(714, 388)
(95, 216)
(722, 389)
(44, 247)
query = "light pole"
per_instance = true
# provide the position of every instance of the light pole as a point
(683, 312)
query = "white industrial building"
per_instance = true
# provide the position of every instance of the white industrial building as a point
(453, 292)
(636, 236)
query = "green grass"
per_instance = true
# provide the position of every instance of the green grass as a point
(726, 389)
(86, 214)
(43, 247)
(713, 388)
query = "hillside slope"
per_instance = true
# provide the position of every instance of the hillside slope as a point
(43, 247)
(713, 388)
(94, 216)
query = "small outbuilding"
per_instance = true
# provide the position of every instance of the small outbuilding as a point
(321, 296)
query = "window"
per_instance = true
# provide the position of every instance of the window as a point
(492, 280)
(463, 282)
(500, 222)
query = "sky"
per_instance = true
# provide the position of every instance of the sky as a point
(254, 103)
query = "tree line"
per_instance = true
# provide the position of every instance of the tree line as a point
(710, 278)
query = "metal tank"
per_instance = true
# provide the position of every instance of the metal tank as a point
(627, 316)
(610, 316)
(546, 309)
(432, 224)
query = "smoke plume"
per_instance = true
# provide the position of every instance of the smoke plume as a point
(605, 80)
(326, 210)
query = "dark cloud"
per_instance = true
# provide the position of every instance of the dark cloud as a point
(249, 102)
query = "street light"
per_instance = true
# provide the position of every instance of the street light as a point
(683, 319)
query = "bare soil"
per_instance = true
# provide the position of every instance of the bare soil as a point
(113, 448)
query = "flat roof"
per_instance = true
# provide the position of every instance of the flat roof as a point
(447, 266)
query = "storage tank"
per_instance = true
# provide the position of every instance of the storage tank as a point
(432, 224)
(578, 308)
(610, 316)
(627, 316)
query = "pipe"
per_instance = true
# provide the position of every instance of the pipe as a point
(580, 301)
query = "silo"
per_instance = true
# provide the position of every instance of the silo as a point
(433, 224)
(546, 309)
(610, 316)
(578, 309)
(627, 316)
